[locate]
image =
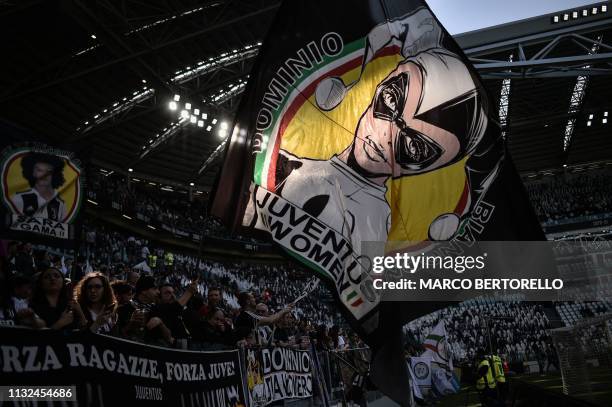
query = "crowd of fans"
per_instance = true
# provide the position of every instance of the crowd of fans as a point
(128, 287)
(571, 195)
(174, 211)
(515, 329)
(553, 199)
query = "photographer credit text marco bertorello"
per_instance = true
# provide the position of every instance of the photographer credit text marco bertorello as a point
(406, 263)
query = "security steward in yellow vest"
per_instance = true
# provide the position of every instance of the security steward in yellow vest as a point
(168, 261)
(485, 376)
(152, 261)
(486, 384)
(500, 377)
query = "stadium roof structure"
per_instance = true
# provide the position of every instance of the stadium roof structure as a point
(107, 74)
(551, 78)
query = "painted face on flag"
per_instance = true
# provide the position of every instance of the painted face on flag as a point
(391, 141)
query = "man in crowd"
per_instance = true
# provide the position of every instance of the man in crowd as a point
(264, 332)
(138, 319)
(12, 249)
(486, 385)
(24, 259)
(247, 320)
(132, 278)
(78, 269)
(214, 300)
(170, 308)
(244, 323)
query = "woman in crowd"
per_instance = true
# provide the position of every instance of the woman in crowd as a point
(215, 331)
(50, 301)
(97, 302)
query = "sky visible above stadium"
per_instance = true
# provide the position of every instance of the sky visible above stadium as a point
(459, 16)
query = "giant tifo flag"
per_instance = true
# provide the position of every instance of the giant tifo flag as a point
(363, 121)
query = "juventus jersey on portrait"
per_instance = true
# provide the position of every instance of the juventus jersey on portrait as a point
(31, 203)
(338, 196)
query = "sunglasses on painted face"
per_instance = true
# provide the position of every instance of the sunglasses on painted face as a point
(413, 150)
